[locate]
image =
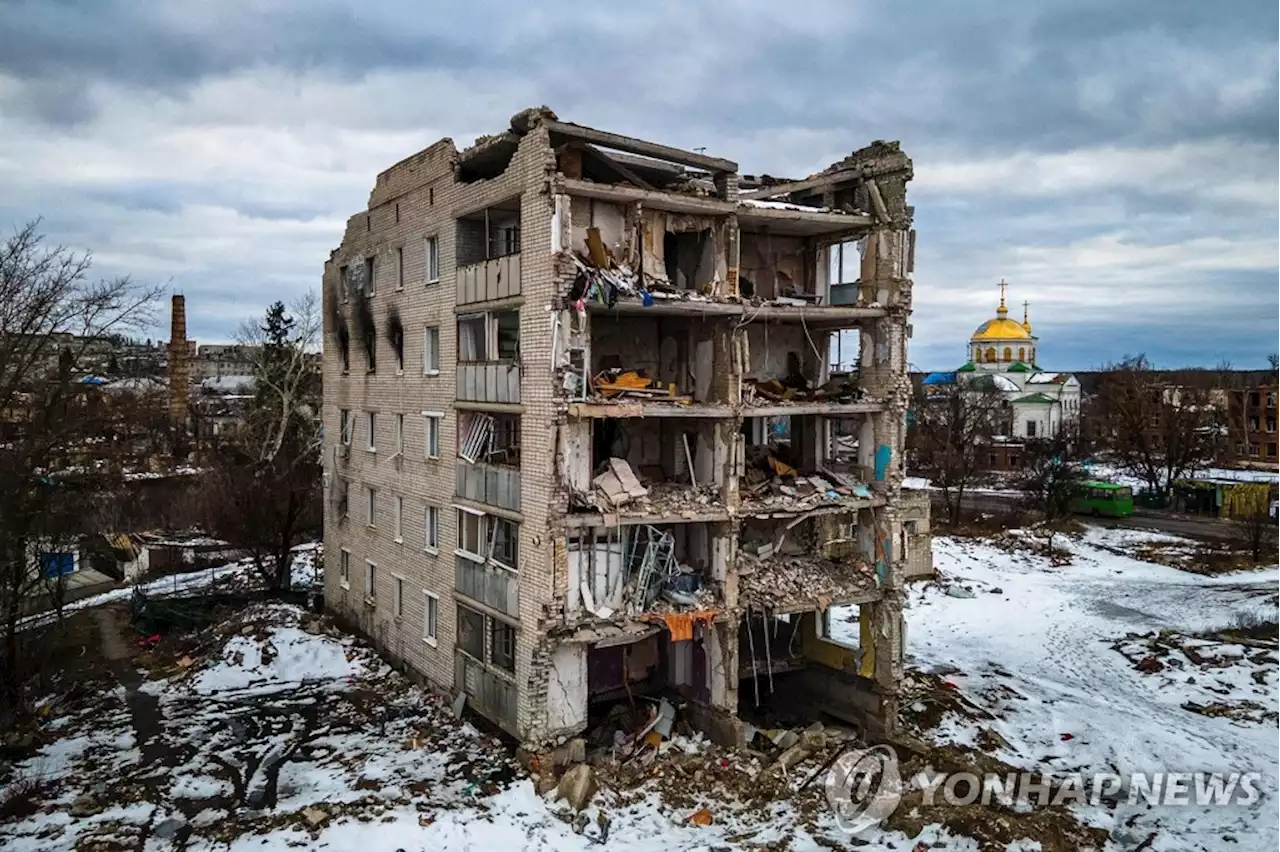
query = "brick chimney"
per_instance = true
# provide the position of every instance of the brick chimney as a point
(179, 363)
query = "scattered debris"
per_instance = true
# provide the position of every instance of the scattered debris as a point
(796, 388)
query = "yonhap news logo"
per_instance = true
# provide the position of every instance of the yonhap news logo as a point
(865, 786)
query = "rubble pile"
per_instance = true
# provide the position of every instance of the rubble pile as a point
(796, 388)
(602, 279)
(1218, 671)
(617, 490)
(773, 483)
(778, 578)
(652, 751)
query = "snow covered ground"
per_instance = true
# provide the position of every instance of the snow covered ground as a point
(306, 571)
(275, 731)
(1034, 647)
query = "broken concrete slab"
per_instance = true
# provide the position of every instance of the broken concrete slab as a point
(577, 786)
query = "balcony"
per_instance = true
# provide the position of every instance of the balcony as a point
(495, 485)
(489, 381)
(490, 585)
(492, 695)
(487, 280)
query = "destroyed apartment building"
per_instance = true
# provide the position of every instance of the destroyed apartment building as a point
(608, 422)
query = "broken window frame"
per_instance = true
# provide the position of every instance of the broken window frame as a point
(502, 644)
(504, 549)
(397, 520)
(397, 597)
(370, 270)
(344, 498)
(344, 281)
(838, 261)
(475, 436)
(344, 568)
(370, 580)
(399, 263)
(431, 431)
(346, 426)
(371, 506)
(431, 529)
(431, 259)
(491, 347)
(371, 425)
(465, 516)
(398, 437)
(431, 350)
(471, 623)
(430, 618)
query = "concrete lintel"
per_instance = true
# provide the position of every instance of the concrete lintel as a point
(832, 316)
(623, 519)
(811, 222)
(826, 315)
(790, 607)
(648, 409)
(487, 509)
(829, 179)
(472, 603)
(503, 304)
(674, 202)
(631, 145)
(669, 307)
(823, 409)
(492, 407)
(841, 508)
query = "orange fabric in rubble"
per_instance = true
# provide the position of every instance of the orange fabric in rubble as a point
(680, 624)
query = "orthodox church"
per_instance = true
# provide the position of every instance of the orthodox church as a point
(1002, 354)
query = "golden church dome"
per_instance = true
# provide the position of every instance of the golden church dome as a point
(1002, 328)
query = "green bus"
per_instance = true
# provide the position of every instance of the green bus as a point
(1103, 498)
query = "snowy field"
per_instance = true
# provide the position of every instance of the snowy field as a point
(1036, 647)
(275, 732)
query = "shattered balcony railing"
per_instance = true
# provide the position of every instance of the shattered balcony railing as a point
(637, 575)
(784, 583)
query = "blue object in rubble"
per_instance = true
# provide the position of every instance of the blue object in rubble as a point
(646, 298)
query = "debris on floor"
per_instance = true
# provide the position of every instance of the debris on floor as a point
(773, 483)
(619, 383)
(791, 580)
(796, 388)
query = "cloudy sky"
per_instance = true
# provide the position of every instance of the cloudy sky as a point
(1116, 162)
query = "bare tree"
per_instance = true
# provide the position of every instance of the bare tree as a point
(1051, 478)
(264, 489)
(1159, 430)
(1256, 530)
(52, 461)
(1273, 361)
(954, 426)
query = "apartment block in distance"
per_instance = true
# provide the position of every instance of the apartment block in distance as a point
(608, 421)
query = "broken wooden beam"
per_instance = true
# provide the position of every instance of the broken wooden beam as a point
(631, 145)
(815, 182)
(614, 165)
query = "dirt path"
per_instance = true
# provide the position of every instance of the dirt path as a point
(144, 709)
